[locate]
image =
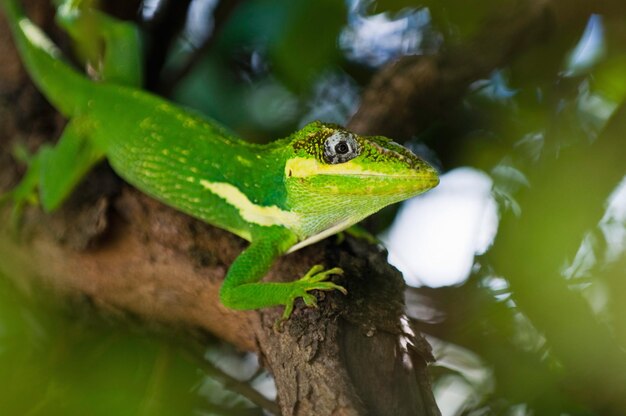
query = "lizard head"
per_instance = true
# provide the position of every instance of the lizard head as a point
(330, 168)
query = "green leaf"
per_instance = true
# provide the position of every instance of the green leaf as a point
(308, 43)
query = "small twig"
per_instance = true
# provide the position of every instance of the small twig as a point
(154, 392)
(161, 32)
(229, 382)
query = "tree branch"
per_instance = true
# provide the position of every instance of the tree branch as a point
(406, 96)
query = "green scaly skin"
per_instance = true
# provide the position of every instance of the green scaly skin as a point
(280, 196)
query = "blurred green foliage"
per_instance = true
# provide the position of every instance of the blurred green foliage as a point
(541, 320)
(542, 312)
(302, 32)
(297, 39)
(56, 363)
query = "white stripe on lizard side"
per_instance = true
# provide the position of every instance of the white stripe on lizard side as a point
(256, 214)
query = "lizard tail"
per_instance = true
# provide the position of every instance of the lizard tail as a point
(63, 86)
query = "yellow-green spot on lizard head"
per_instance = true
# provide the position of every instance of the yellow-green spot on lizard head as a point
(335, 178)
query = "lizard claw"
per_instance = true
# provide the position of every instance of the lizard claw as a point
(25, 193)
(315, 279)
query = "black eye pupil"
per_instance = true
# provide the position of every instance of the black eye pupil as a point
(341, 148)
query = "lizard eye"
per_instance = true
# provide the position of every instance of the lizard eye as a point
(340, 147)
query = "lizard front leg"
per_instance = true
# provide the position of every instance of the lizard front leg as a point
(242, 289)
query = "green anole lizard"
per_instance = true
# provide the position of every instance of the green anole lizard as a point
(280, 197)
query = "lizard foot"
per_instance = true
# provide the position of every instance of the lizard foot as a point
(24, 193)
(315, 279)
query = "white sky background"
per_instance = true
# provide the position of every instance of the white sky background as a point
(434, 238)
